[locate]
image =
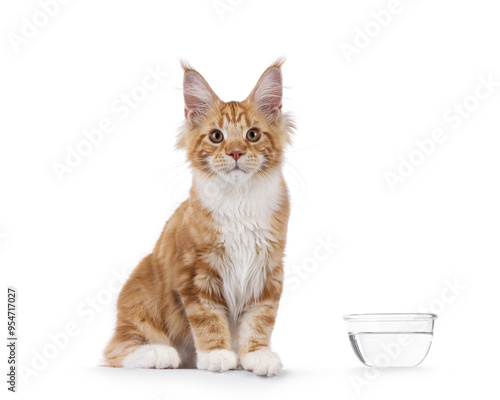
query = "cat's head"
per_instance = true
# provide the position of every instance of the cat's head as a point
(235, 141)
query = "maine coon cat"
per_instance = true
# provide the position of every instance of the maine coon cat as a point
(208, 294)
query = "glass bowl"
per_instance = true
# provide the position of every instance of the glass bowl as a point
(390, 340)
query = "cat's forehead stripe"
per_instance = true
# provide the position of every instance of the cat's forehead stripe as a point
(233, 111)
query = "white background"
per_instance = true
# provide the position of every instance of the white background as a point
(62, 241)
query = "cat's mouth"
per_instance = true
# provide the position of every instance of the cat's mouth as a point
(235, 169)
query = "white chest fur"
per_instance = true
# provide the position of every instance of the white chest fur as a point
(243, 215)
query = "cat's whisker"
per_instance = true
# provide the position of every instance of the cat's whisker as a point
(172, 166)
(290, 151)
(177, 180)
(299, 182)
(185, 163)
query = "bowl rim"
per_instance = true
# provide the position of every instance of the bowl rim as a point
(389, 317)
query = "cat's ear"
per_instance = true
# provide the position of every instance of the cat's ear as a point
(268, 92)
(198, 96)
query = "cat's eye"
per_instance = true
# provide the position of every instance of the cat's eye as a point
(253, 135)
(216, 136)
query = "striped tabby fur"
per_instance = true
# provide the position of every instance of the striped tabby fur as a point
(208, 294)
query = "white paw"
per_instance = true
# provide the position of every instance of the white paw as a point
(152, 356)
(217, 360)
(262, 362)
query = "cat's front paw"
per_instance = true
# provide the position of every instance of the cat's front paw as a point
(217, 360)
(262, 362)
(152, 356)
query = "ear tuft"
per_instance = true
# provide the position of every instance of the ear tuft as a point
(198, 96)
(267, 95)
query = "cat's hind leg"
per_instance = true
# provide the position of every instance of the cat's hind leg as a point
(141, 339)
(138, 354)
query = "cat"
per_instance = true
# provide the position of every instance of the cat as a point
(208, 294)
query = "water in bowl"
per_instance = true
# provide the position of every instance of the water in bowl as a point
(391, 349)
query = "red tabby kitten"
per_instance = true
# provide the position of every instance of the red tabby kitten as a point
(208, 294)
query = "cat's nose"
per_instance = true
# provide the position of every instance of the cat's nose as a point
(235, 154)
